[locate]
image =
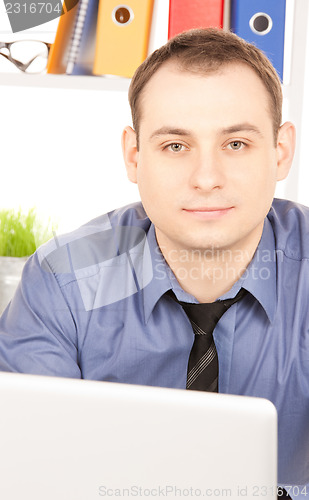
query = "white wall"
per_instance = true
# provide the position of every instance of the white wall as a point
(296, 102)
(60, 152)
(60, 148)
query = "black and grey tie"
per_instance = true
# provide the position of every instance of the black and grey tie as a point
(203, 367)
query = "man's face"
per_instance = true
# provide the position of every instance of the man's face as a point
(207, 165)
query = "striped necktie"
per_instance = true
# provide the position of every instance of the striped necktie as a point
(203, 367)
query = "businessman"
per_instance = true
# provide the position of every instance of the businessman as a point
(125, 298)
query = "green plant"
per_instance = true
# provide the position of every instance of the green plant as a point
(21, 233)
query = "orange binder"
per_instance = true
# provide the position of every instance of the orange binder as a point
(188, 14)
(122, 36)
(57, 61)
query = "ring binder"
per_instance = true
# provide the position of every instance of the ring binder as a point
(122, 36)
(262, 22)
(185, 15)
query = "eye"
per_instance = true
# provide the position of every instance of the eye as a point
(175, 147)
(236, 145)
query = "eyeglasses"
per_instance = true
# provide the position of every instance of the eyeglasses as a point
(29, 56)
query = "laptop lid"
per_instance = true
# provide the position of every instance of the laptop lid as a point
(64, 439)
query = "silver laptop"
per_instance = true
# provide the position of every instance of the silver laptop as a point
(64, 439)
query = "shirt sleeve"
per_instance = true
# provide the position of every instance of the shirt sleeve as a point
(38, 333)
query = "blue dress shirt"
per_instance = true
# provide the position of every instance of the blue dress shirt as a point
(91, 305)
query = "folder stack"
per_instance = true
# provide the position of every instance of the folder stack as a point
(106, 37)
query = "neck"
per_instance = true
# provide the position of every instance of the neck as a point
(208, 273)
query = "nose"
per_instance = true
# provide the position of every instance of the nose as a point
(207, 170)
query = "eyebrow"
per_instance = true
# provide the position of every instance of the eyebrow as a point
(241, 127)
(170, 131)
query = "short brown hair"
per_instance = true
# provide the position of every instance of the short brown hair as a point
(204, 51)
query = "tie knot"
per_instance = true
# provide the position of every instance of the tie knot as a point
(205, 316)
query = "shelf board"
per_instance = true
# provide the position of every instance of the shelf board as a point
(105, 83)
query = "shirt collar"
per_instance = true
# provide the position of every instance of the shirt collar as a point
(259, 278)
(161, 275)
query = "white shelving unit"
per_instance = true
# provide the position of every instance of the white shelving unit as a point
(65, 82)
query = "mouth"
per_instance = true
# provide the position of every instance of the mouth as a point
(208, 212)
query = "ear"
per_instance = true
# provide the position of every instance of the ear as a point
(285, 149)
(130, 153)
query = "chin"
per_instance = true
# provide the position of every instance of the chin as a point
(207, 242)
(204, 245)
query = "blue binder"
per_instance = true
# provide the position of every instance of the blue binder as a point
(85, 52)
(261, 22)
